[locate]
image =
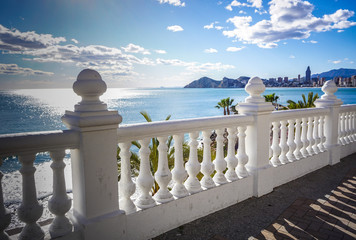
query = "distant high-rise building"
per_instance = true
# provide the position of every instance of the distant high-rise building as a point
(308, 75)
(299, 78)
(286, 79)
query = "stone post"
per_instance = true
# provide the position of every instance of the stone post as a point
(257, 136)
(331, 127)
(94, 166)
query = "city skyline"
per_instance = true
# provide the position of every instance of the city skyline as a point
(168, 43)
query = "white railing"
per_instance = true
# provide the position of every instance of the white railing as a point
(249, 155)
(26, 146)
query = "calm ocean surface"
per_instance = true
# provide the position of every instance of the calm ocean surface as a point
(41, 109)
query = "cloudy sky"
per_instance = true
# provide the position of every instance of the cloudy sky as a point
(154, 43)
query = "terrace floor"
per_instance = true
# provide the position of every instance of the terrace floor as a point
(320, 205)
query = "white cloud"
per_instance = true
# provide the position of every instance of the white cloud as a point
(253, 4)
(242, 12)
(194, 66)
(313, 41)
(292, 56)
(290, 19)
(340, 31)
(14, 40)
(176, 3)
(160, 51)
(234, 49)
(175, 28)
(210, 26)
(14, 69)
(219, 3)
(75, 41)
(336, 61)
(210, 50)
(132, 48)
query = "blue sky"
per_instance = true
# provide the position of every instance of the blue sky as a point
(154, 43)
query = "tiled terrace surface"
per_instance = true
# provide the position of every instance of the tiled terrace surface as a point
(320, 205)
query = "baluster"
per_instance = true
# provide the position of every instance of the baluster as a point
(179, 174)
(350, 127)
(354, 126)
(126, 185)
(241, 153)
(30, 210)
(283, 143)
(321, 134)
(316, 135)
(270, 153)
(340, 132)
(291, 144)
(219, 162)
(298, 142)
(275, 144)
(193, 166)
(310, 136)
(5, 215)
(346, 128)
(60, 202)
(342, 129)
(231, 159)
(207, 167)
(145, 179)
(163, 175)
(304, 138)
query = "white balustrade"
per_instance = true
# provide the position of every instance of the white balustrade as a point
(346, 128)
(60, 202)
(354, 125)
(231, 159)
(145, 179)
(310, 136)
(219, 162)
(5, 215)
(316, 135)
(349, 132)
(163, 175)
(283, 143)
(342, 129)
(291, 144)
(321, 134)
(30, 210)
(126, 185)
(304, 138)
(275, 144)
(207, 167)
(193, 166)
(179, 174)
(297, 141)
(241, 153)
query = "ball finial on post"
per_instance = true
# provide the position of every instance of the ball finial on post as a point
(255, 88)
(329, 88)
(90, 87)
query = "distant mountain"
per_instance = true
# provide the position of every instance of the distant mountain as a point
(342, 72)
(206, 82)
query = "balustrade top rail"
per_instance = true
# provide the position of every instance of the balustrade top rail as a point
(347, 107)
(298, 113)
(164, 128)
(34, 142)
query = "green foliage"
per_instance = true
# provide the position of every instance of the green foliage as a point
(304, 103)
(271, 98)
(226, 104)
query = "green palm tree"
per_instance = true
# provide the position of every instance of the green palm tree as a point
(226, 104)
(229, 103)
(222, 104)
(304, 103)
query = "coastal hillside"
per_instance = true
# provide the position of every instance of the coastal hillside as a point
(206, 82)
(342, 72)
